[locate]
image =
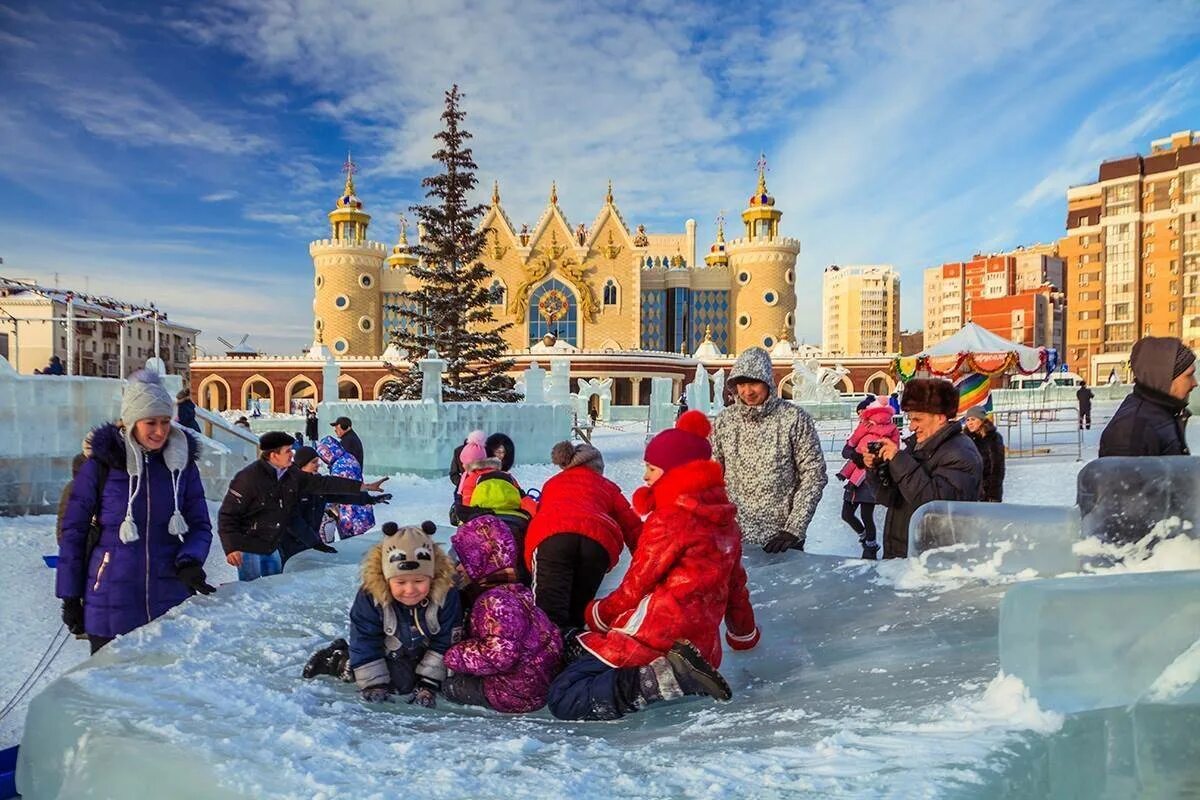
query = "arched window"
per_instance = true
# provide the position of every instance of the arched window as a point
(497, 294)
(610, 292)
(553, 309)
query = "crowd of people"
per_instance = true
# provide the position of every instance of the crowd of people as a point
(510, 617)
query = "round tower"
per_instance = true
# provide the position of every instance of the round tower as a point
(348, 301)
(762, 267)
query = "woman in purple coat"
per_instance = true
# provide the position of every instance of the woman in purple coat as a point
(142, 487)
(512, 650)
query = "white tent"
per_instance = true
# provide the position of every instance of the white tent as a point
(975, 349)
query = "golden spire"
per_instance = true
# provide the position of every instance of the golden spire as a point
(721, 226)
(708, 333)
(495, 193)
(608, 198)
(553, 193)
(762, 173)
(403, 222)
(349, 168)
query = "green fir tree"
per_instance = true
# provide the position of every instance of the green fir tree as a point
(451, 310)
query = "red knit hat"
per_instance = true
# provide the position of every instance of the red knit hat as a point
(687, 441)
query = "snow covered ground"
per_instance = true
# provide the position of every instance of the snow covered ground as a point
(940, 728)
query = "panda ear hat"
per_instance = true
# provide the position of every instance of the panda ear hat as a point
(408, 551)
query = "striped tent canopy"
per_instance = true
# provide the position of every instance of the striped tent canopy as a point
(973, 349)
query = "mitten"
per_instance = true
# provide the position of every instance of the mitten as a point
(72, 615)
(192, 575)
(743, 642)
(376, 694)
(321, 547)
(332, 660)
(425, 694)
(781, 542)
(572, 649)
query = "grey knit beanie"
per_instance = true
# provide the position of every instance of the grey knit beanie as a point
(145, 397)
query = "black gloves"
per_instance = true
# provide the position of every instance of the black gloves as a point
(72, 615)
(782, 541)
(380, 498)
(192, 575)
(376, 694)
(332, 660)
(572, 649)
(425, 694)
(321, 547)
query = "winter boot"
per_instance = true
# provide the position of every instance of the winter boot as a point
(682, 671)
(870, 549)
(332, 660)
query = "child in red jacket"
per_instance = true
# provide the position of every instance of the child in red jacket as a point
(657, 636)
(582, 525)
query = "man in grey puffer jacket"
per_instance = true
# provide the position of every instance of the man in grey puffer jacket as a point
(774, 467)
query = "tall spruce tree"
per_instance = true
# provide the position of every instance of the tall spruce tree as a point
(451, 310)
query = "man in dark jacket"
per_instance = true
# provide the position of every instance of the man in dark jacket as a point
(185, 409)
(262, 503)
(938, 462)
(343, 429)
(311, 430)
(1151, 420)
(1084, 396)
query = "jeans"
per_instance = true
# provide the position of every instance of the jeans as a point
(255, 566)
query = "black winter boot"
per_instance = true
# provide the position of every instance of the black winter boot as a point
(870, 549)
(332, 660)
(682, 671)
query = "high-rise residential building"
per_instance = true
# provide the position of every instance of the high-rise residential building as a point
(861, 310)
(1017, 295)
(1133, 255)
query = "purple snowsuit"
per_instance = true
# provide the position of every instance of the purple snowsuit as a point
(352, 520)
(511, 643)
(124, 586)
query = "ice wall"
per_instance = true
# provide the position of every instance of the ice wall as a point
(1104, 641)
(1122, 499)
(44, 420)
(1012, 538)
(416, 436)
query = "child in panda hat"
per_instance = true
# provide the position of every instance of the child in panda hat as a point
(657, 636)
(404, 618)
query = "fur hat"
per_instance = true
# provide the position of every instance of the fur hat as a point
(408, 551)
(930, 396)
(687, 441)
(145, 397)
(567, 455)
(475, 448)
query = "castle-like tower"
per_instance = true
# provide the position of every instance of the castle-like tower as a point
(347, 301)
(763, 269)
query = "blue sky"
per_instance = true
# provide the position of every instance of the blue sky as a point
(188, 153)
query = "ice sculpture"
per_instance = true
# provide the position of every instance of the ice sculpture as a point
(1106, 640)
(1122, 499)
(1014, 538)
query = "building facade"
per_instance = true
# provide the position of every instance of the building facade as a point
(33, 324)
(860, 310)
(1132, 247)
(1017, 295)
(597, 287)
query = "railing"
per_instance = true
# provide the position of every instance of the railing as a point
(234, 437)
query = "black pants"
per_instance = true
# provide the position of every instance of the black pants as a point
(567, 571)
(97, 642)
(866, 528)
(466, 690)
(1085, 418)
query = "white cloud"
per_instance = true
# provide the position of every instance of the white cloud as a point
(217, 197)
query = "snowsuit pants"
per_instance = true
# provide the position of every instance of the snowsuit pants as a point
(589, 689)
(567, 571)
(402, 671)
(866, 528)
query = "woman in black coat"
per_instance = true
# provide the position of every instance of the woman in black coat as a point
(990, 444)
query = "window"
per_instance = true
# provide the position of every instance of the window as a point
(789, 320)
(1149, 308)
(365, 281)
(1083, 279)
(768, 341)
(1085, 240)
(743, 277)
(744, 321)
(365, 324)
(610, 292)
(342, 302)
(770, 298)
(320, 281)
(319, 323)
(340, 346)
(790, 277)
(497, 293)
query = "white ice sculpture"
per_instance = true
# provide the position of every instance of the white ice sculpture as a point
(813, 383)
(599, 387)
(432, 367)
(558, 389)
(699, 392)
(662, 404)
(718, 393)
(535, 383)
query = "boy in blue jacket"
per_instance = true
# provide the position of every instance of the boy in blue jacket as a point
(404, 618)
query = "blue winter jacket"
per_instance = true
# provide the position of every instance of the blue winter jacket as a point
(124, 586)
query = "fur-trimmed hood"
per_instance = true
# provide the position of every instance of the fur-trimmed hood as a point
(697, 486)
(107, 444)
(376, 585)
(484, 463)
